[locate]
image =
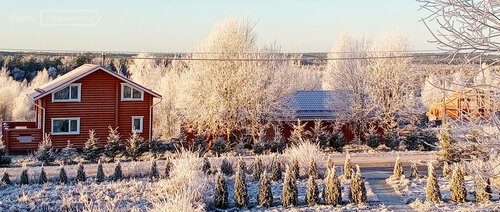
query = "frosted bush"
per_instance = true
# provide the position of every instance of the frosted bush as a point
(63, 177)
(432, 192)
(68, 153)
(312, 194)
(294, 165)
(414, 170)
(118, 174)
(6, 178)
(357, 194)
(221, 194)
(348, 167)
(332, 192)
(457, 187)
(91, 149)
(265, 198)
(240, 187)
(304, 152)
(276, 173)
(24, 179)
(313, 170)
(289, 195)
(186, 188)
(42, 178)
(398, 172)
(100, 176)
(257, 169)
(206, 166)
(45, 152)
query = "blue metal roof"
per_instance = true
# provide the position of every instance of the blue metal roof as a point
(317, 104)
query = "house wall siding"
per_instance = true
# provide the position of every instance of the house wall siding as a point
(97, 110)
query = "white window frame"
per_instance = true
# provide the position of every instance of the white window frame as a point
(131, 93)
(77, 132)
(79, 85)
(142, 124)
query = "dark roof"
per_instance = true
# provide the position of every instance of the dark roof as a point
(77, 74)
(310, 105)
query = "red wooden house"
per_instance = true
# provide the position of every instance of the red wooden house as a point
(89, 97)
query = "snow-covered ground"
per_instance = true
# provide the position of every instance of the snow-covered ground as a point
(138, 193)
(413, 193)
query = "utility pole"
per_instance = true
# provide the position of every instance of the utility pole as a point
(103, 58)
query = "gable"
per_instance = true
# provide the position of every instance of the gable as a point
(77, 74)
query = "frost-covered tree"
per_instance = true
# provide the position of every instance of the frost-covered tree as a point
(447, 144)
(217, 100)
(298, 134)
(379, 80)
(113, 146)
(100, 173)
(447, 170)
(313, 169)
(391, 78)
(265, 197)
(4, 157)
(276, 173)
(432, 192)
(483, 189)
(63, 177)
(398, 172)
(348, 76)
(241, 164)
(42, 178)
(68, 153)
(165, 80)
(45, 152)
(348, 166)
(221, 194)
(312, 194)
(257, 169)
(206, 166)
(24, 179)
(134, 146)
(357, 192)
(91, 149)
(332, 193)
(289, 195)
(319, 133)
(414, 170)
(168, 166)
(6, 178)
(294, 165)
(153, 173)
(240, 188)
(118, 174)
(80, 173)
(9, 91)
(226, 167)
(457, 187)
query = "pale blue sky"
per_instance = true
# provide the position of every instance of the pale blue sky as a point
(179, 26)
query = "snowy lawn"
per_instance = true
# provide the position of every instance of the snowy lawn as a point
(413, 191)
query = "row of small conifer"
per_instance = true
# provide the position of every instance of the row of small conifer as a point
(332, 192)
(458, 191)
(81, 175)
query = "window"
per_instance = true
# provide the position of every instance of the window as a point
(65, 126)
(69, 93)
(130, 93)
(137, 124)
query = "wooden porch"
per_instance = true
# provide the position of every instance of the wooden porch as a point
(21, 136)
